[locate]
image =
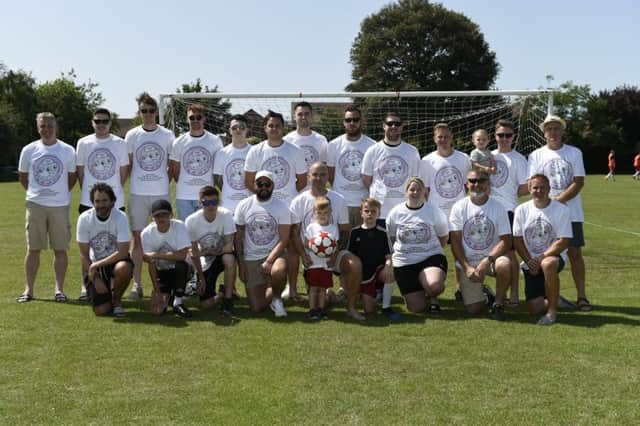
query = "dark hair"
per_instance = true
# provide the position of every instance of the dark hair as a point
(102, 111)
(208, 191)
(146, 98)
(391, 114)
(105, 188)
(273, 114)
(504, 123)
(239, 117)
(303, 104)
(352, 108)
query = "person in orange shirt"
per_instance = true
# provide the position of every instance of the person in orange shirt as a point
(636, 165)
(612, 166)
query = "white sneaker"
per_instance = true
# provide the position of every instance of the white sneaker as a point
(136, 293)
(285, 292)
(118, 311)
(278, 308)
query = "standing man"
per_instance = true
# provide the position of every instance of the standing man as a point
(480, 240)
(562, 165)
(507, 184)
(149, 146)
(263, 225)
(388, 164)
(347, 265)
(312, 144)
(47, 170)
(636, 166)
(344, 158)
(611, 164)
(106, 160)
(103, 239)
(191, 161)
(228, 167)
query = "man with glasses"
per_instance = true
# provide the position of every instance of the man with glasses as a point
(191, 161)
(312, 144)
(344, 158)
(480, 237)
(149, 146)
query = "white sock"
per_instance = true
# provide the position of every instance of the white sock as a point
(387, 292)
(177, 301)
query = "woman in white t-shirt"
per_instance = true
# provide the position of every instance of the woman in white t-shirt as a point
(417, 233)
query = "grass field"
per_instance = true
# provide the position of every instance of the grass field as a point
(62, 365)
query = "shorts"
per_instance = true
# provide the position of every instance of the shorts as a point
(210, 277)
(185, 207)
(578, 235)
(407, 276)
(140, 209)
(105, 273)
(47, 226)
(472, 291)
(511, 216)
(373, 284)
(534, 284)
(355, 217)
(174, 280)
(255, 277)
(318, 277)
(82, 208)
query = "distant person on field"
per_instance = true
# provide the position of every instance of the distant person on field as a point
(47, 170)
(481, 157)
(611, 163)
(636, 166)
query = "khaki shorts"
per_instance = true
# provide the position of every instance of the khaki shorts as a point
(355, 218)
(255, 277)
(47, 227)
(140, 209)
(472, 291)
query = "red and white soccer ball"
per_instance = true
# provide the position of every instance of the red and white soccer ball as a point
(322, 245)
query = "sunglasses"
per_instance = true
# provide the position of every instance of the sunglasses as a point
(477, 180)
(394, 123)
(238, 127)
(209, 203)
(504, 135)
(352, 120)
(99, 121)
(148, 110)
(263, 184)
(196, 117)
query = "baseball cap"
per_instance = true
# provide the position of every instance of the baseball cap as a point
(160, 206)
(553, 119)
(264, 173)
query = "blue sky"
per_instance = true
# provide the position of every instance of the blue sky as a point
(293, 46)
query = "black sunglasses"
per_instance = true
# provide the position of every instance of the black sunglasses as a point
(393, 123)
(196, 117)
(504, 135)
(148, 110)
(99, 121)
(263, 184)
(352, 120)
(208, 203)
(477, 180)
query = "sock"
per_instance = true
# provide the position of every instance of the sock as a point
(177, 300)
(387, 292)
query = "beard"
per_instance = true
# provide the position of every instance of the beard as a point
(264, 194)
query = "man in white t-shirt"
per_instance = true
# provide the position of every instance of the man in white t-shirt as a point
(228, 167)
(191, 161)
(149, 146)
(263, 231)
(388, 164)
(282, 159)
(563, 165)
(212, 231)
(47, 171)
(480, 239)
(541, 235)
(344, 158)
(103, 239)
(106, 160)
(165, 244)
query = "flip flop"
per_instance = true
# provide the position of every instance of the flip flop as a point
(60, 298)
(24, 298)
(584, 305)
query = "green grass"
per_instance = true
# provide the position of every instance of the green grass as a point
(62, 365)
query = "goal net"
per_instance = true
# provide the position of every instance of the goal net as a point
(465, 112)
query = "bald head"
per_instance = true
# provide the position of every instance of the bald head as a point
(318, 177)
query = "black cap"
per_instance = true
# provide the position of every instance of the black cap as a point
(160, 206)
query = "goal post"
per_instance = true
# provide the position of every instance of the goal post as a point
(465, 112)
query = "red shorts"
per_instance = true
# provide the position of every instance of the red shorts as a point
(371, 287)
(318, 277)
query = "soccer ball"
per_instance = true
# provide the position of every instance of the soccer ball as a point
(322, 245)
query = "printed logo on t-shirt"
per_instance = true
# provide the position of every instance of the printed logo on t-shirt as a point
(150, 156)
(262, 228)
(311, 155)
(350, 163)
(211, 240)
(280, 169)
(197, 161)
(414, 233)
(559, 172)
(103, 244)
(163, 264)
(393, 171)
(478, 232)
(500, 176)
(47, 170)
(539, 235)
(234, 171)
(448, 182)
(102, 164)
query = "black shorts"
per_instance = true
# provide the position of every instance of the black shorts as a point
(534, 284)
(105, 273)
(578, 235)
(511, 215)
(174, 280)
(210, 277)
(407, 276)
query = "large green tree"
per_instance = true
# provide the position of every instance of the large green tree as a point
(418, 45)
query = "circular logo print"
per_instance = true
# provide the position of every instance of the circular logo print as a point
(448, 182)
(262, 228)
(196, 161)
(103, 244)
(414, 233)
(311, 155)
(280, 169)
(559, 172)
(234, 171)
(150, 156)
(350, 165)
(102, 164)
(478, 232)
(211, 240)
(393, 171)
(539, 235)
(47, 170)
(500, 176)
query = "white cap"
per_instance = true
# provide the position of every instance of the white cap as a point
(264, 173)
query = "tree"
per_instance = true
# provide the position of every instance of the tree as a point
(218, 114)
(417, 45)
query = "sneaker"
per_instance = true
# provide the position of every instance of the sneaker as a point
(564, 303)
(136, 293)
(458, 296)
(192, 287)
(491, 298)
(84, 297)
(278, 308)
(227, 307)
(323, 314)
(118, 311)
(313, 314)
(546, 320)
(434, 308)
(285, 292)
(182, 311)
(497, 312)
(391, 314)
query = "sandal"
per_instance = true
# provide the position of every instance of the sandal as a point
(24, 298)
(584, 305)
(60, 298)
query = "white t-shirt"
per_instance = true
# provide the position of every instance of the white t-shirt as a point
(102, 160)
(261, 221)
(541, 227)
(346, 156)
(196, 155)
(481, 226)
(284, 161)
(313, 230)
(511, 172)
(314, 146)
(48, 167)
(416, 233)
(302, 209)
(447, 178)
(560, 166)
(229, 164)
(390, 167)
(102, 236)
(150, 150)
(176, 238)
(210, 235)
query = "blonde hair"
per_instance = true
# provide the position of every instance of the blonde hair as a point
(372, 203)
(322, 203)
(417, 180)
(480, 131)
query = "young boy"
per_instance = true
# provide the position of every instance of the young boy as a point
(318, 274)
(369, 242)
(481, 157)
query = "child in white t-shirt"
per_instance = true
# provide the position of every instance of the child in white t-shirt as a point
(481, 157)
